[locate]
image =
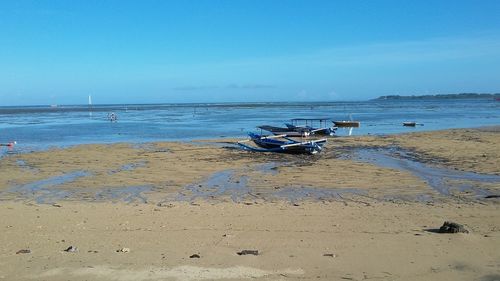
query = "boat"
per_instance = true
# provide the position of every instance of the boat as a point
(291, 132)
(9, 144)
(282, 143)
(412, 124)
(346, 123)
(308, 123)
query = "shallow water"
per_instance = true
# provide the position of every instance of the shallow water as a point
(220, 184)
(235, 185)
(41, 190)
(37, 128)
(300, 193)
(126, 194)
(444, 181)
(228, 184)
(49, 190)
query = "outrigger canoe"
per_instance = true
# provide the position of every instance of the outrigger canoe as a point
(344, 123)
(282, 143)
(9, 144)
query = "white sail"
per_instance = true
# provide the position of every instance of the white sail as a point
(90, 106)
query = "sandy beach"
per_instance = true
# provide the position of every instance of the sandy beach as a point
(367, 208)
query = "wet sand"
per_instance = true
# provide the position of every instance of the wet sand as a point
(366, 208)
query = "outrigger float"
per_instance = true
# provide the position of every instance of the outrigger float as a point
(282, 143)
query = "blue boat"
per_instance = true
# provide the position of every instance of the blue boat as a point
(282, 143)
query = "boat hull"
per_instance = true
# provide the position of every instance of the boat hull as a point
(344, 124)
(271, 144)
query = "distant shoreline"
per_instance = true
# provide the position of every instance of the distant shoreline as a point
(441, 97)
(5, 109)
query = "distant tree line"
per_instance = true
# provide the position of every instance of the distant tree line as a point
(441, 97)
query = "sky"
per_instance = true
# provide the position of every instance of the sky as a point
(148, 51)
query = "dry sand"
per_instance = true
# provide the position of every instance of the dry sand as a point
(373, 226)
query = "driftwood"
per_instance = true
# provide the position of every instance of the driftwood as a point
(248, 252)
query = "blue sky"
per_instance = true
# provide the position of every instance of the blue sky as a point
(59, 52)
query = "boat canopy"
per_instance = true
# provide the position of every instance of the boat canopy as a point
(310, 121)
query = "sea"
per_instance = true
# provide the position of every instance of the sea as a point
(42, 127)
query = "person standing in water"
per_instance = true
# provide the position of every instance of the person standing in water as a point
(112, 117)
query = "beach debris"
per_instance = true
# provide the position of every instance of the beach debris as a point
(330, 255)
(492, 196)
(248, 252)
(123, 250)
(23, 251)
(194, 256)
(168, 205)
(56, 205)
(452, 227)
(71, 249)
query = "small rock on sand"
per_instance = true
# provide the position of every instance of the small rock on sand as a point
(452, 227)
(71, 249)
(123, 250)
(194, 256)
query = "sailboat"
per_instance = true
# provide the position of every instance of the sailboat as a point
(90, 105)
